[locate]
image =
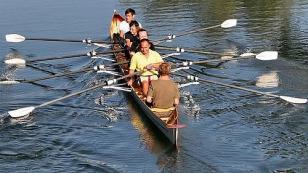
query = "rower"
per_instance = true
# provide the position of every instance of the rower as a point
(143, 34)
(124, 25)
(146, 61)
(131, 37)
(163, 93)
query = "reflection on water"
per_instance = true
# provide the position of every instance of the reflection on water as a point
(228, 130)
(148, 133)
(268, 80)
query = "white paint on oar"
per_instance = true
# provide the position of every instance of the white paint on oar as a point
(247, 54)
(229, 23)
(118, 88)
(15, 38)
(264, 56)
(15, 61)
(21, 112)
(102, 45)
(267, 55)
(9, 82)
(171, 54)
(187, 84)
(109, 72)
(293, 99)
(103, 58)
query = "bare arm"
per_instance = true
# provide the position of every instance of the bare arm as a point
(128, 43)
(176, 101)
(122, 34)
(149, 99)
(130, 81)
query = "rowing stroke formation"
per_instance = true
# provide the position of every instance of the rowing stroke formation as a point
(139, 51)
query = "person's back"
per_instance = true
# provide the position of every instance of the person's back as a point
(163, 93)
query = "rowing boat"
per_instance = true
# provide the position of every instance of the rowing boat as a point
(165, 121)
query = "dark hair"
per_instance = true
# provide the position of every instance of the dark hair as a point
(134, 22)
(164, 69)
(142, 29)
(145, 40)
(131, 11)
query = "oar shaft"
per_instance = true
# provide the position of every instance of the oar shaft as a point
(70, 95)
(69, 40)
(178, 49)
(234, 86)
(197, 30)
(76, 56)
(107, 82)
(187, 33)
(50, 39)
(59, 75)
(54, 58)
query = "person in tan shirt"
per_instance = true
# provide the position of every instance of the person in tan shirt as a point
(163, 93)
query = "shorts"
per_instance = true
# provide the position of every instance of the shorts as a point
(146, 78)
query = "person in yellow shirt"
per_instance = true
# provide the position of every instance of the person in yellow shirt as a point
(146, 61)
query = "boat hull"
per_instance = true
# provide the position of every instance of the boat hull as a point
(170, 131)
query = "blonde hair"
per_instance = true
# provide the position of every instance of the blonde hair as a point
(164, 69)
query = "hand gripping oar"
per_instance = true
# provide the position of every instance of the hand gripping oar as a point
(285, 98)
(94, 54)
(95, 68)
(16, 38)
(226, 24)
(27, 110)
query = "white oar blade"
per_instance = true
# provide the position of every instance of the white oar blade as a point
(9, 82)
(16, 61)
(15, 38)
(293, 99)
(21, 112)
(267, 55)
(229, 23)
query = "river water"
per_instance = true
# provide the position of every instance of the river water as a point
(227, 130)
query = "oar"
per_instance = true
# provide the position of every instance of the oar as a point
(285, 98)
(18, 113)
(94, 54)
(226, 24)
(266, 55)
(19, 38)
(95, 68)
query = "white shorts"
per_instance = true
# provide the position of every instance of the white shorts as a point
(148, 78)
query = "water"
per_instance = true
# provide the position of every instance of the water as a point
(227, 130)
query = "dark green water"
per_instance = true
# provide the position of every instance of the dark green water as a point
(227, 130)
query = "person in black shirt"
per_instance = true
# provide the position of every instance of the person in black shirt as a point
(131, 37)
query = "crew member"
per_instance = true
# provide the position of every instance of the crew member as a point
(163, 93)
(146, 61)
